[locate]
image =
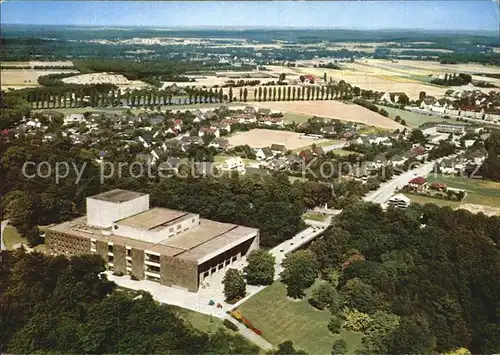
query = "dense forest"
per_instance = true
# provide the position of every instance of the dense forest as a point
(51, 304)
(421, 280)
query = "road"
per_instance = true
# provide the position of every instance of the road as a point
(386, 190)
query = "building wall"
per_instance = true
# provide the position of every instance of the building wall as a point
(120, 264)
(224, 260)
(65, 244)
(103, 213)
(179, 272)
(138, 263)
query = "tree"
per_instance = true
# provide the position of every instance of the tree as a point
(300, 269)
(302, 78)
(230, 96)
(324, 77)
(281, 78)
(335, 324)
(339, 347)
(397, 118)
(403, 122)
(356, 321)
(245, 95)
(326, 295)
(286, 348)
(234, 284)
(260, 268)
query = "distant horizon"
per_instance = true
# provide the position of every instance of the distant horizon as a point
(457, 16)
(245, 28)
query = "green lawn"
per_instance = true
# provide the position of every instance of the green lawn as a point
(479, 199)
(343, 152)
(11, 237)
(314, 217)
(282, 319)
(290, 117)
(478, 186)
(200, 321)
(479, 192)
(422, 199)
(414, 119)
(220, 159)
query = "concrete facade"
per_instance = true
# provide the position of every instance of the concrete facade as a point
(171, 247)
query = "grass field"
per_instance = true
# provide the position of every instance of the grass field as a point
(200, 321)
(11, 237)
(421, 199)
(259, 138)
(414, 119)
(343, 152)
(479, 192)
(282, 319)
(291, 117)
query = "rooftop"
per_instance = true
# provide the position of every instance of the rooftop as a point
(118, 196)
(152, 218)
(199, 244)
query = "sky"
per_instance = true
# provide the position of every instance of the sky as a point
(409, 14)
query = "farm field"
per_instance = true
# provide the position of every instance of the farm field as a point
(409, 76)
(414, 119)
(281, 319)
(259, 138)
(17, 79)
(65, 63)
(333, 109)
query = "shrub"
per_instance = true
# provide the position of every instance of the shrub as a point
(230, 325)
(334, 325)
(117, 273)
(133, 277)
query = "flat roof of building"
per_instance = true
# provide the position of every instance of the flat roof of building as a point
(152, 218)
(118, 196)
(199, 244)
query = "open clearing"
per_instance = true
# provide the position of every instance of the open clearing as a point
(282, 319)
(65, 63)
(259, 138)
(409, 76)
(200, 321)
(414, 119)
(333, 109)
(11, 237)
(17, 79)
(479, 192)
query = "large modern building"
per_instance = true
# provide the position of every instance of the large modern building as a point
(175, 248)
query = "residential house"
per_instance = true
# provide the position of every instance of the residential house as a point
(234, 163)
(209, 130)
(263, 153)
(278, 149)
(249, 110)
(272, 121)
(220, 143)
(74, 118)
(418, 183)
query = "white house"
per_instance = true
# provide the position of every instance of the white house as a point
(74, 118)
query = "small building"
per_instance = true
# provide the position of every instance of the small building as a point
(399, 201)
(449, 128)
(418, 183)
